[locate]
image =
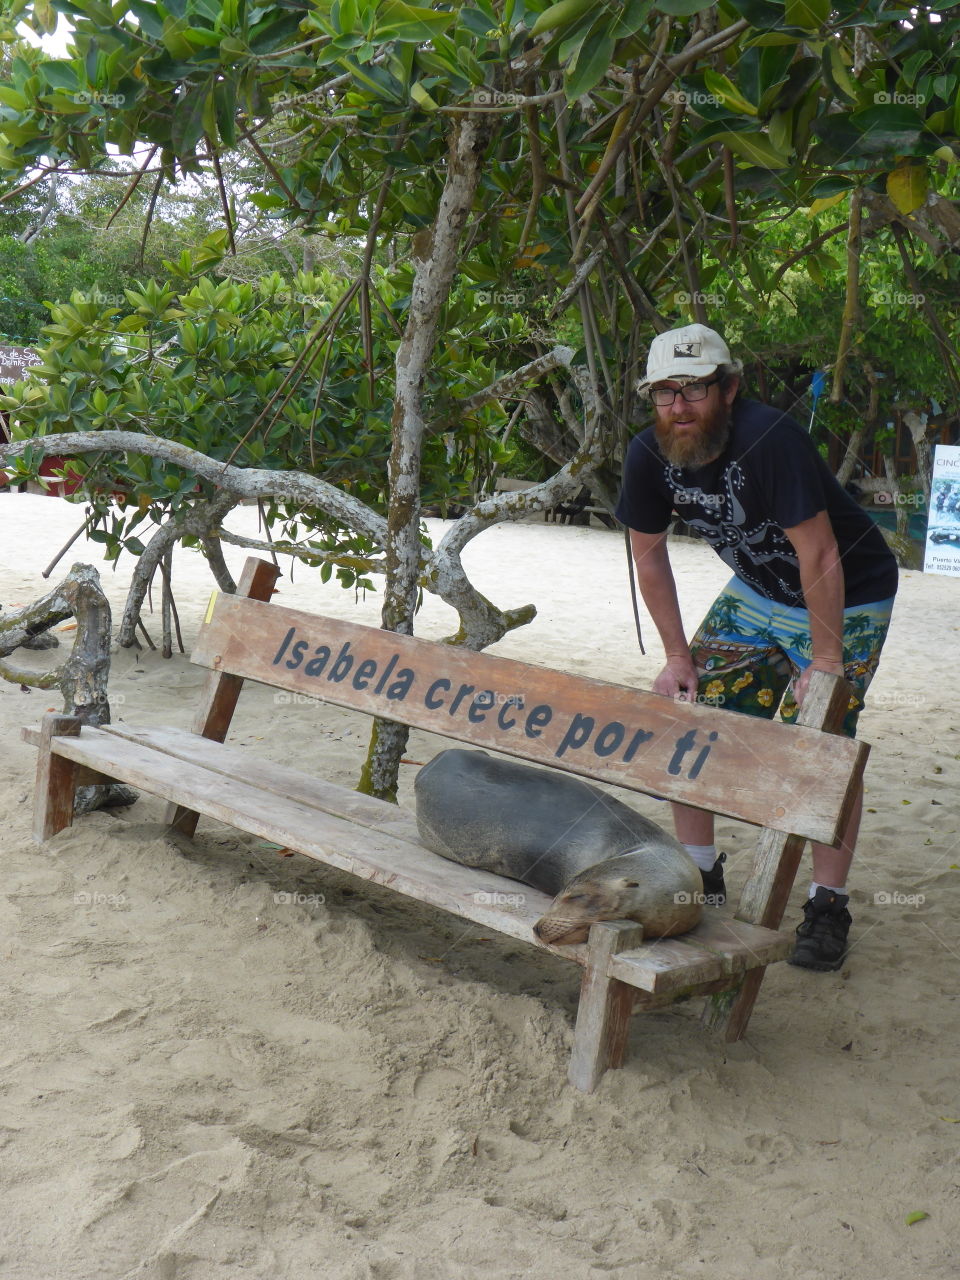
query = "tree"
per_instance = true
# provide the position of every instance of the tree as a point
(572, 163)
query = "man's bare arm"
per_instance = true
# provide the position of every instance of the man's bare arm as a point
(659, 590)
(821, 577)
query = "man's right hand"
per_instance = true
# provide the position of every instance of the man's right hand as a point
(678, 679)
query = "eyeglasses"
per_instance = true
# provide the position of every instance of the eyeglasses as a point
(693, 391)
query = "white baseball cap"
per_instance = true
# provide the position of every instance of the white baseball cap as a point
(692, 351)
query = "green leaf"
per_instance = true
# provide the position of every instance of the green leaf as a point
(60, 75)
(560, 16)
(755, 147)
(763, 14)
(420, 96)
(13, 98)
(809, 14)
(682, 8)
(918, 1215)
(187, 123)
(888, 126)
(780, 130)
(827, 202)
(907, 186)
(399, 21)
(728, 93)
(838, 72)
(225, 97)
(476, 22)
(912, 65)
(593, 59)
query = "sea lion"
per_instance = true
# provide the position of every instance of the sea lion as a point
(602, 859)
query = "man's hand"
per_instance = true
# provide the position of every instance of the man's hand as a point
(801, 686)
(821, 577)
(678, 679)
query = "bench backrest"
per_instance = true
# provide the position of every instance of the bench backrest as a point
(787, 778)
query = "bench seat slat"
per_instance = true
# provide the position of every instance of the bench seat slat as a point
(737, 943)
(281, 780)
(370, 851)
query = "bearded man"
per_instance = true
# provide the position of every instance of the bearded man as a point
(813, 582)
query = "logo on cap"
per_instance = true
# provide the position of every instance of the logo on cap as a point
(686, 350)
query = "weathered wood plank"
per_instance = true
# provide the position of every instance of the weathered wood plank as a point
(491, 901)
(238, 762)
(56, 780)
(763, 772)
(673, 964)
(603, 1014)
(741, 945)
(218, 697)
(777, 859)
(737, 944)
(766, 893)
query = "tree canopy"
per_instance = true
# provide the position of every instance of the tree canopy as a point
(530, 176)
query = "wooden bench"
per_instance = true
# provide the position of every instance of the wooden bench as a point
(795, 782)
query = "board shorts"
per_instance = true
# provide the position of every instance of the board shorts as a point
(749, 651)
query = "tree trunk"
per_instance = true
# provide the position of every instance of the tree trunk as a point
(82, 678)
(903, 517)
(851, 304)
(851, 455)
(917, 425)
(435, 269)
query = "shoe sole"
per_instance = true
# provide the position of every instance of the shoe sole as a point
(818, 966)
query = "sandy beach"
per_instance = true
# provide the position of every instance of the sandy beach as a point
(199, 1081)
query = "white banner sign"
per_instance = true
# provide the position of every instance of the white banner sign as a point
(943, 522)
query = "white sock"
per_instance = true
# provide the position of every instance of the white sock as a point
(815, 885)
(704, 855)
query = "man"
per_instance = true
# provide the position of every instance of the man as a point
(813, 582)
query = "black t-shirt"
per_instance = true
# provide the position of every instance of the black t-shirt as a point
(769, 478)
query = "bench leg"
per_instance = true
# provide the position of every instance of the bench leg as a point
(56, 779)
(218, 700)
(603, 1015)
(729, 1012)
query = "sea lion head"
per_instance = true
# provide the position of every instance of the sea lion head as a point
(617, 890)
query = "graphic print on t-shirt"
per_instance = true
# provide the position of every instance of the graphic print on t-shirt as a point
(725, 528)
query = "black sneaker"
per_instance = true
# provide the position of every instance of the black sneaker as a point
(714, 889)
(822, 938)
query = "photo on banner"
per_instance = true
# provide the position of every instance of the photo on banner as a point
(943, 523)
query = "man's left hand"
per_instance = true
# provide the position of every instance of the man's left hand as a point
(800, 688)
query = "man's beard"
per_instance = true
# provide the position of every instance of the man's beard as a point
(692, 450)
